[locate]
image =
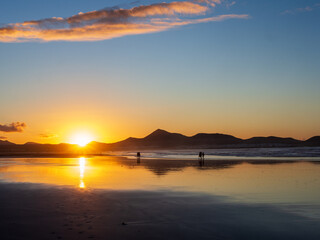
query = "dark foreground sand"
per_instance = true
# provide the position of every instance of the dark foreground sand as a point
(39, 212)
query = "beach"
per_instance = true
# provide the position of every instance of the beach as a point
(39, 208)
(48, 213)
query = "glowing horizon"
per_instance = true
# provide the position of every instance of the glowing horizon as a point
(82, 138)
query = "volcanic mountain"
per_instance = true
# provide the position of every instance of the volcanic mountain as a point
(159, 139)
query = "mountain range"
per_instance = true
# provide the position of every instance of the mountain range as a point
(160, 139)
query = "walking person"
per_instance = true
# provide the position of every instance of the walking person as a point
(138, 157)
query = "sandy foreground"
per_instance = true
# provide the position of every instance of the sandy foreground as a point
(31, 211)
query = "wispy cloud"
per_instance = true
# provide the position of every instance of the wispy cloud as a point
(13, 127)
(3, 138)
(303, 9)
(230, 4)
(111, 23)
(48, 135)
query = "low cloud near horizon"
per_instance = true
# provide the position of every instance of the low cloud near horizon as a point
(3, 138)
(115, 22)
(48, 135)
(13, 127)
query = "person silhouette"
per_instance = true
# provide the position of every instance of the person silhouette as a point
(138, 157)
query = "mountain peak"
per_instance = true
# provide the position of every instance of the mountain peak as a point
(162, 135)
(159, 132)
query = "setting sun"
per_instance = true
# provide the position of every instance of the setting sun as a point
(82, 139)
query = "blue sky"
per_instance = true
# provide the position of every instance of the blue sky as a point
(246, 77)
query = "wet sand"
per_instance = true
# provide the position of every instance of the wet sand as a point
(35, 211)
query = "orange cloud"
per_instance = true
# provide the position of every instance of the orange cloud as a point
(168, 9)
(110, 23)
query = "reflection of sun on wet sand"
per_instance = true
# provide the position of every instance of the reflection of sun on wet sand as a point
(272, 179)
(82, 166)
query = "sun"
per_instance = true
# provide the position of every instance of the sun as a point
(81, 139)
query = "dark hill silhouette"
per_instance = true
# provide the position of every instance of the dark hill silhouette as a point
(214, 139)
(314, 141)
(6, 142)
(160, 135)
(270, 141)
(159, 139)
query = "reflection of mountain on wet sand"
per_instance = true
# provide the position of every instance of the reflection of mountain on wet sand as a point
(260, 180)
(162, 167)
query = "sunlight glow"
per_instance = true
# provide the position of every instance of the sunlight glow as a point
(82, 139)
(81, 185)
(82, 166)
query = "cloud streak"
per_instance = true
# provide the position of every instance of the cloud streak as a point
(111, 23)
(13, 127)
(303, 9)
(48, 135)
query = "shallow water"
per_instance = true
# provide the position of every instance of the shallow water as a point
(284, 153)
(267, 181)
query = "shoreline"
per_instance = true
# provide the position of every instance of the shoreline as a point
(274, 153)
(209, 158)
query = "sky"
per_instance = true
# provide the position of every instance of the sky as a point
(115, 69)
